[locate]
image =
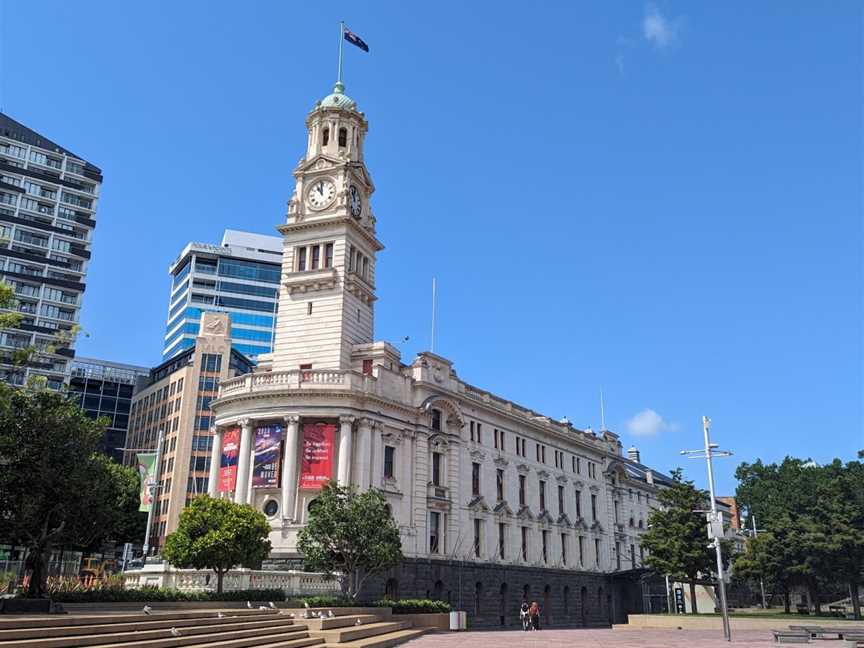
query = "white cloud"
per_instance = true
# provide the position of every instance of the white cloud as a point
(649, 423)
(658, 30)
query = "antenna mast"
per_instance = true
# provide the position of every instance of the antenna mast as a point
(434, 308)
(602, 412)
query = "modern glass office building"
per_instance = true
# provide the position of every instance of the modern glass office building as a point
(105, 390)
(239, 277)
(48, 200)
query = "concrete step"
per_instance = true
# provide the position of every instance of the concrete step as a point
(339, 621)
(344, 635)
(163, 638)
(381, 641)
(257, 642)
(63, 620)
(144, 624)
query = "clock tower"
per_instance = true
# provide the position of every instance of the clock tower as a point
(326, 303)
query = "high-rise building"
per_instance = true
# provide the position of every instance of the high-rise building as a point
(105, 389)
(175, 399)
(239, 277)
(48, 199)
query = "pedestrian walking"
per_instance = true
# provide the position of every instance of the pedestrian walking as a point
(534, 613)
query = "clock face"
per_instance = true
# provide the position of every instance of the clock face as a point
(321, 193)
(356, 202)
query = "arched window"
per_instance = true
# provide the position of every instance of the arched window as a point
(325, 137)
(478, 594)
(583, 603)
(502, 605)
(566, 601)
(438, 590)
(526, 593)
(311, 505)
(547, 603)
(343, 137)
(600, 599)
(391, 589)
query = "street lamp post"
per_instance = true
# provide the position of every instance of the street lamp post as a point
(154, 491)
(715, 521)
(761, 580)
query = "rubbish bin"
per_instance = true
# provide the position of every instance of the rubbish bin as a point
(458, 620)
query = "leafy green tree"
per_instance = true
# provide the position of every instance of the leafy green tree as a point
(218, 534)
(350, 535)
(677, 539)
(48, 470)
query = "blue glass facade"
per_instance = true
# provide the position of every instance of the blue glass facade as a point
(196, 287)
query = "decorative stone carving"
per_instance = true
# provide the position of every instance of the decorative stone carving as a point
(392, 438)
(347, 418)
(476, 455)
(502, 509)
(478, 505)
(501, 462)
(542, 474)
(522, 469)
(292, 419)
(562, 479)
(524, 513)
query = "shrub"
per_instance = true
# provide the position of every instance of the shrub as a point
(414, 606)
(158, 594)
(323, 601)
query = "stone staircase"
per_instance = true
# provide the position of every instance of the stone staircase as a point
(228, 628)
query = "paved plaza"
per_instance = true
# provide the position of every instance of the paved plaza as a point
(593, 639)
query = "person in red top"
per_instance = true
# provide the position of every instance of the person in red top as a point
(534, 614)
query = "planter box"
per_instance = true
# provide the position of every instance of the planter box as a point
(30, 606)
(435, 620)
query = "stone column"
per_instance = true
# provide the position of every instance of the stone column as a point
(241, 490)
(364, 454)
(343, 472)
(215, 459)
(289, 467)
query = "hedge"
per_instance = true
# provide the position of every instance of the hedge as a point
(414, 606)
(158, 594)
(322, 601)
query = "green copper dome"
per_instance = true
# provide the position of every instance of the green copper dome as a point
(338, 98)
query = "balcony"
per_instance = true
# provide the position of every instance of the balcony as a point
(312, 379)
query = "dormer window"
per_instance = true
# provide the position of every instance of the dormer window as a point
(343, 137)
(325, 137)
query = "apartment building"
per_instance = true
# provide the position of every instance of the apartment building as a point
(48, 198)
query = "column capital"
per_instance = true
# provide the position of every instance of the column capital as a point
(366, 422)
(347, 419)
(292, 419)
(246, 422)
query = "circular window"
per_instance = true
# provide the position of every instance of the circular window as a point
(271, 508)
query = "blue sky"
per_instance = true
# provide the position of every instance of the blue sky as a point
(662, 200)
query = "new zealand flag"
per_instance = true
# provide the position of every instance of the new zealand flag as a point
(354, 39)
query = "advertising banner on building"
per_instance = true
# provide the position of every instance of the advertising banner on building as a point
(265, 469)
(147, 473)
(317, 465)
(228, 461)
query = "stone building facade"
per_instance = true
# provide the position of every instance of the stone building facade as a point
(494, 501)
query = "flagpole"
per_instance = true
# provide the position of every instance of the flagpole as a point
(341, 38)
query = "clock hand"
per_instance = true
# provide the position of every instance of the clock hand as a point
(321, 188)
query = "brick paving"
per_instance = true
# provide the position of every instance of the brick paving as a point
(592, 639)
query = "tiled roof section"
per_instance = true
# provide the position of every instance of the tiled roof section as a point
(638, 470)
(18, 131)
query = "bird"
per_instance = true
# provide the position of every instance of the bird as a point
(219, 615)
(330, 614)
(249, 604)
(358, 622)
(175, 632)
(291, 615)
(147, 609)
(306, 604)
(272, 605)
(263, 607)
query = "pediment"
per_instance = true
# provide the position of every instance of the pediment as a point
(580, 524)
(595, 526)
(502, 509)
(544, 517)
(501, 462)
(562, 479)
(563, 520)
(525, 514)
(476, 455)
(478, 505)
(522, 469)
(542, 474)
(320, 162)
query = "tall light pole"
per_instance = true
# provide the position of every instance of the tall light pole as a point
(761, 580)
(715, 521)
(154, 491)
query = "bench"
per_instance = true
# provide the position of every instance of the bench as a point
(791, 636)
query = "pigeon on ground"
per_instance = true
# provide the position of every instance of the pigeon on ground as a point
(147, 609)
(272, 605)
(291, 615)
(358, 622)
(263, 607)
(330, 614)
(306, 604)
(175, 632)
(249, 604)
(219, 615)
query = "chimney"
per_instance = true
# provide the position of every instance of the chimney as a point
(633, 454)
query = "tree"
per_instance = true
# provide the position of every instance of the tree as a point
(677, 540)
(218, 534)
(351, 536)
(48, 471)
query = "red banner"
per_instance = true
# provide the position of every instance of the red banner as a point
(228, 462)
(317, 466)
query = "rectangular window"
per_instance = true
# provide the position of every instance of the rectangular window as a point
(501, 542)
(316, 256)
(436, 468)
(560, 500)
(564, 548)
(581, 550)
(471, 428)
(301, 259)
(436, 420)
(211, 362)
(593, 507)
(633, 556)
(578, 503)
(545, 535)
(597, 551)
(537, 452)
(434, 530)
(328, 255)
(367, 367)
(543, 454)
(617, 506)
(521, 490)
(476, 537)
(578, 466)
(499, 484)
(618, 556)
(389, 452)
(475, 479)
(524, 531)
(542, 495)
